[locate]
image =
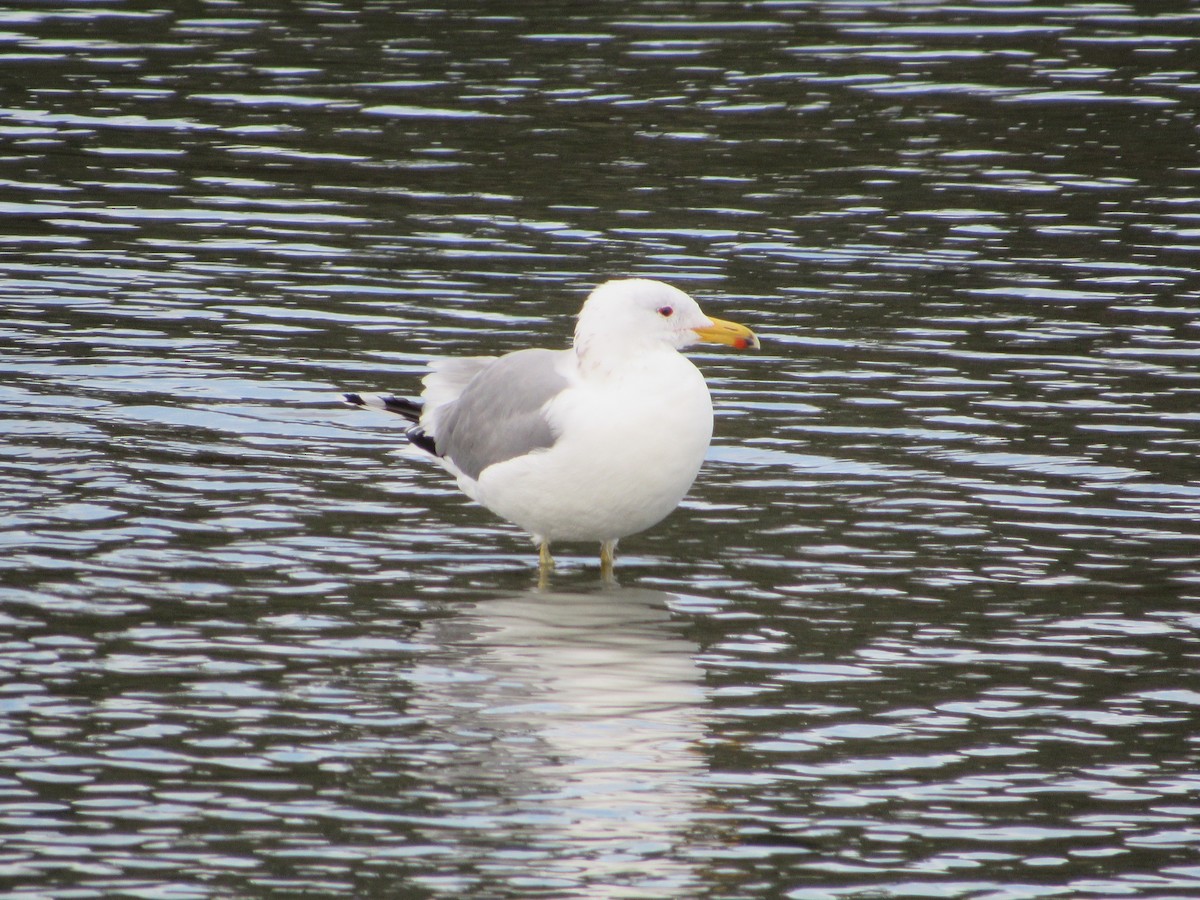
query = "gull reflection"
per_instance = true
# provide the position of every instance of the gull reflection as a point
(570, 726)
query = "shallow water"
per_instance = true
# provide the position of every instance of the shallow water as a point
(927, 624)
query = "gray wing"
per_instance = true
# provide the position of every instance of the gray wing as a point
(500, 413)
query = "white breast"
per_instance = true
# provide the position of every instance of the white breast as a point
(632, 441)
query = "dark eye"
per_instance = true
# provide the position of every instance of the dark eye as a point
(666, 311)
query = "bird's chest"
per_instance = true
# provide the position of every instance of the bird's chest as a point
(654, 419)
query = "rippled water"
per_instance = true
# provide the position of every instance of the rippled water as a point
(927, 625)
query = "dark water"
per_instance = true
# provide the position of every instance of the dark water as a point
(927, 625)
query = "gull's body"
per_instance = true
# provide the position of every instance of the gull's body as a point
(593, 443)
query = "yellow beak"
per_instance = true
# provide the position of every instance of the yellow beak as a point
(734, 335)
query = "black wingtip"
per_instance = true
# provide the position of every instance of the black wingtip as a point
(410, 409)
(419, 438)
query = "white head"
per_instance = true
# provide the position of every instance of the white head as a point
(636, 312)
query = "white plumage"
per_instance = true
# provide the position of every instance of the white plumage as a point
(592, 443)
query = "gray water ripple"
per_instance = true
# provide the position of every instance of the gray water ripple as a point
(923, 625)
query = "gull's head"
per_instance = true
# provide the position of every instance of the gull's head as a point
(641, 311)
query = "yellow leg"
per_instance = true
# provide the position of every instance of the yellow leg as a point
(545, 565)
(608, 557)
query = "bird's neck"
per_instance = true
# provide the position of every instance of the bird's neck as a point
(606, 356)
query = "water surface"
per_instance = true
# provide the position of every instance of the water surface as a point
(927, 624)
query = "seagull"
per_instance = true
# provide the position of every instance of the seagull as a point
(592, 443)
